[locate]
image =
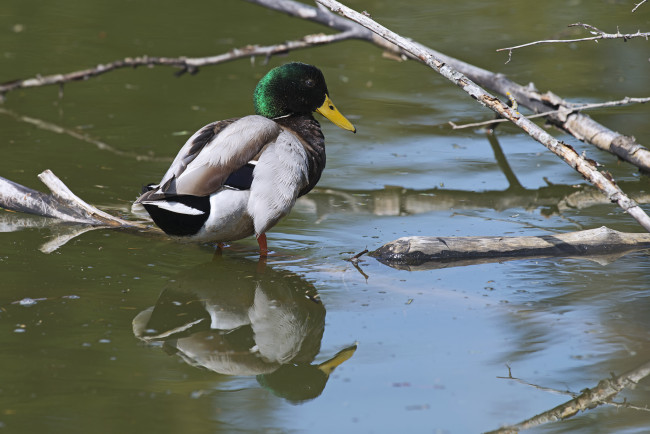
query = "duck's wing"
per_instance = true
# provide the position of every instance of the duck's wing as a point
(194, 146)
(213, 154)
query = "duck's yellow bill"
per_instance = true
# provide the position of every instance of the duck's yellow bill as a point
(340, 357)
(330, 112)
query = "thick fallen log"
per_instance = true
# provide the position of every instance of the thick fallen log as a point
(437, 252)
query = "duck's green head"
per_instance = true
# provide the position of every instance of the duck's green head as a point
(296, 88)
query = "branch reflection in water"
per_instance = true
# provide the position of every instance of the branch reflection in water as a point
(238, 317)
(390, 201)
(551, 200)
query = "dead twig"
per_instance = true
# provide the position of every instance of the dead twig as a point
(536, 386)
(571, 108)
(599, 34)
(356, 257)
(602, 393)
(638, 4)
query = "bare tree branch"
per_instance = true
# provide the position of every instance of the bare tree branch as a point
(593, 30)
(638, 4)
(603, 181)
(572, 108)
(577, 124)
(536, 386)
(603, 393)
(184, 64)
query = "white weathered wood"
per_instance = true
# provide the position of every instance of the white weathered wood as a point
(16, 197)
(415, 251)
(62, 204)
(567, 118)
(65, 195)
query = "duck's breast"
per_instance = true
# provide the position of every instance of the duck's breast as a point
(280, 174)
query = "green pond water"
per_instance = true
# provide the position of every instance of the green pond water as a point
(117, 332)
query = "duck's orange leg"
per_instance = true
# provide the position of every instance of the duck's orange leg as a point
(218, 252)
(264, 250)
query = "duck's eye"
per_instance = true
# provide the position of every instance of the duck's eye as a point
(310, 83)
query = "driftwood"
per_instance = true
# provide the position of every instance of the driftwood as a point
(61, 210)
(61, 204)
(435, 252)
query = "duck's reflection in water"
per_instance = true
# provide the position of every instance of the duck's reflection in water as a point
(236, 317)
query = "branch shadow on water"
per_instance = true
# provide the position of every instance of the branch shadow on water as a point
(550, 200)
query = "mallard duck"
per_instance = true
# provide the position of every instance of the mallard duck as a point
(238, 177)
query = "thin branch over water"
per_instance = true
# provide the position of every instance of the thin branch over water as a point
(593, 30)
(602, 393)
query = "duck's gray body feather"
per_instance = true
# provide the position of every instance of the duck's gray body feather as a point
(286, 165)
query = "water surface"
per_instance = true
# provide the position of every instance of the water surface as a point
(431, 345)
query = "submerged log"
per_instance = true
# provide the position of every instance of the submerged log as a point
(435, 252)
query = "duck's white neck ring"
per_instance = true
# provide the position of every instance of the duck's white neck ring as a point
(284, 116)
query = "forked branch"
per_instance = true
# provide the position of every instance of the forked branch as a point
(602, 393)
(638, 4)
